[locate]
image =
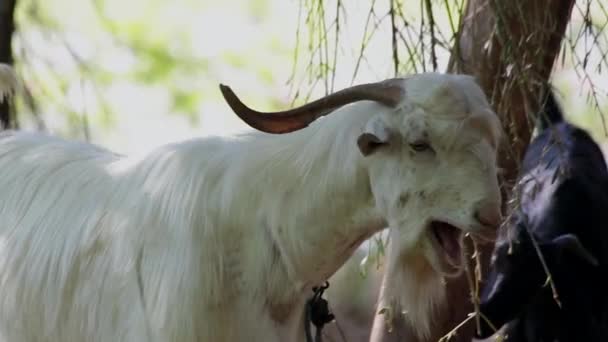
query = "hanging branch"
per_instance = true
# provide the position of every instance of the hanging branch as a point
(429, 12)
(394, 33)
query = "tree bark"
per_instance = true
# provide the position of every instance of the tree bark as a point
(510, 47)
(7, 27)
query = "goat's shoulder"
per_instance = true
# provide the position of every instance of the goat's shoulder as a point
(567, 149)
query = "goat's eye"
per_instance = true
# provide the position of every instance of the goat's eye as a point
(420, 146)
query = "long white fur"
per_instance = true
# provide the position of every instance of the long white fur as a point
(199, 224)
(211, 239)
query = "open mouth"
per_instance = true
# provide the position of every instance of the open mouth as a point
(449, 240)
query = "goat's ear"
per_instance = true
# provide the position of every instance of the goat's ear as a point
(369, 143)
(375, 136)
(569, 243)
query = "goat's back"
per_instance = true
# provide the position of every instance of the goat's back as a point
(566, 160)
(53, 200)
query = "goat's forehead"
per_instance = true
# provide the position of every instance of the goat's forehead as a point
(457, 100)
(454, 133)
(445, 94)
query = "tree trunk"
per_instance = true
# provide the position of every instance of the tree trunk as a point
(510, 47)
(7, 27)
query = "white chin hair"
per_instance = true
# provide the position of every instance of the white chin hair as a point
(414, 287)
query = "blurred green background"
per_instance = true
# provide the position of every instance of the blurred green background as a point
(131, 75)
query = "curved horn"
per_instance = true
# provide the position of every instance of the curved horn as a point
(389, 92)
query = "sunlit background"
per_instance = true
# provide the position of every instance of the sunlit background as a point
(131, 75)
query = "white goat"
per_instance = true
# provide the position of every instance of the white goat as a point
(221, 239)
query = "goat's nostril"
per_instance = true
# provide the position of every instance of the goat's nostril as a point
(489, 215)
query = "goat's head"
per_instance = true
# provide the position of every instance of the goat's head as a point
(432, 166)
(517, 273)
(430, 151)
(540, 227)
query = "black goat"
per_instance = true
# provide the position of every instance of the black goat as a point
(563, 213)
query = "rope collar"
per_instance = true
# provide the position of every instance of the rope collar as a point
(317, 313)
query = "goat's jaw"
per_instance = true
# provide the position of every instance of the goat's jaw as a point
(447, 243)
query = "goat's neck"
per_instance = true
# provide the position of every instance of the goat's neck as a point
(315, 202)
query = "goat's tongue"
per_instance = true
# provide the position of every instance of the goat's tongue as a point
(448, 237)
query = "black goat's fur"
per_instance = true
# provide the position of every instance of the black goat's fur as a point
(563, 192)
